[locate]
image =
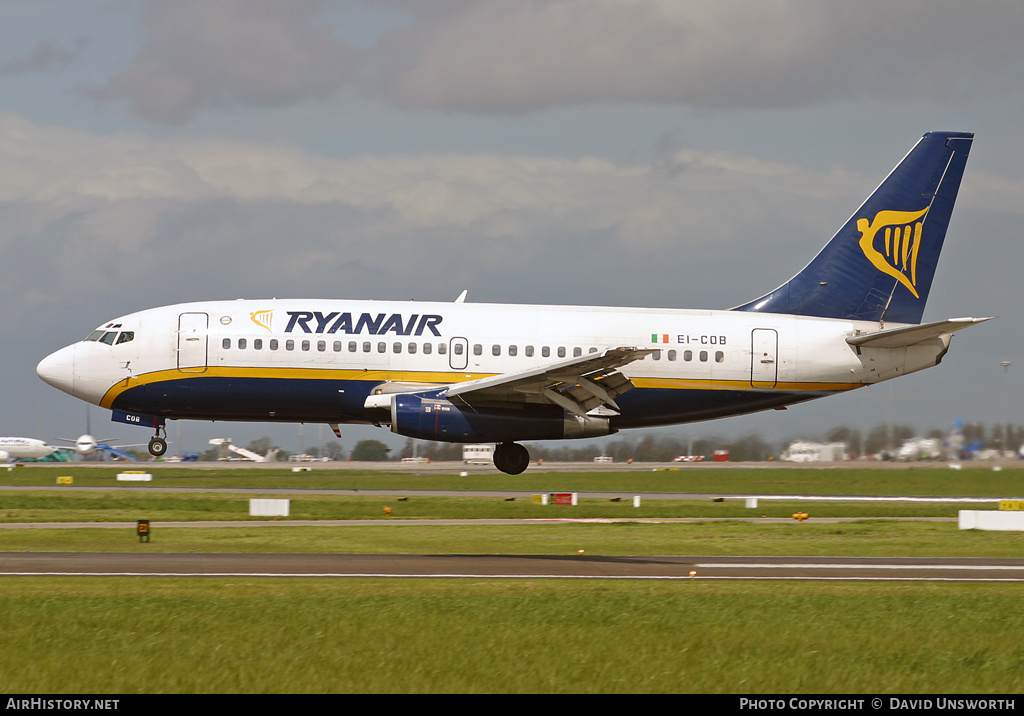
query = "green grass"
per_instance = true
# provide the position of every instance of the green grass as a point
(114, 506)
(869, 538)
(229, 635)
(150, 636)
(915, 480)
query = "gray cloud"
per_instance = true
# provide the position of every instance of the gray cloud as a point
(209, 218)
(491, 56)
(215, 54)
(44, 56)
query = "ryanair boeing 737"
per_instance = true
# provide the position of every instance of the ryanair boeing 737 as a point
(471, 373)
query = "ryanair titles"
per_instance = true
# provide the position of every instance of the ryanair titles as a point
(371, 324)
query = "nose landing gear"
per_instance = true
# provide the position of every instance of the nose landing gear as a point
(158, 443)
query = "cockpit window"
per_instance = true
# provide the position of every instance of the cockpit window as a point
(108, 338)
(125, 336)
(95, 335)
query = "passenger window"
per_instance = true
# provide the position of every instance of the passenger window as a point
(412, 347)
(257, 344)
(703, 356)
(273, 344)
(241, 344)
(478, 350)
(577, 352)
(545, 352)
(305, 345)
(561, 351)
(656, 355)
(352, 346)
(719, 357)
(495, 350)
(671, 355)
(337, 346)
(428, 347)
(457, 348)
(225, 344)
(321, 346)
(687, 355)
(397, 347)
(513, 350)
(366, 346)
(442, 349)
(289, 345)
(529, 351)
(592, 350)
(125, 337)
(382, 347)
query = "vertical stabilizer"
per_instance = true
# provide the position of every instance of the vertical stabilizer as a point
(880, 265)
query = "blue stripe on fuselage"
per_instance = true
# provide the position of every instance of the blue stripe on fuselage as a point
(330, 401)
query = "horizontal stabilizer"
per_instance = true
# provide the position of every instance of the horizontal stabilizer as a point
(911, 335)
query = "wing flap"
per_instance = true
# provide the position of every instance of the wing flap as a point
(579, 384)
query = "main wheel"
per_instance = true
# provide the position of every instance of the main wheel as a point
(511, 458)
(157, 447)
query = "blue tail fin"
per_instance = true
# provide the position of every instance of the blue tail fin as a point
(880, 265)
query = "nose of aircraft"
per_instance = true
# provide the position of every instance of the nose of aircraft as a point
(58, 369)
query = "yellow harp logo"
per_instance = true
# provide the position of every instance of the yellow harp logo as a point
(900, 242)
(262, 318)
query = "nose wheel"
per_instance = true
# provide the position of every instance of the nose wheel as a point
(158, 443)
(157, 446)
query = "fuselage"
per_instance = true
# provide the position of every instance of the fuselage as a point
(319, 360)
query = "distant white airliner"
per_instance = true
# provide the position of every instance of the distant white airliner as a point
(23, 448)
(88, 445)
(473, 373)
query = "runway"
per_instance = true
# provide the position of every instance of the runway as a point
(399, 566)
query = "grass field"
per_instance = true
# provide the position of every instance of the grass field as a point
(230, 635)
(917, 480)
(375, 636)
(868, 539)
(55, 506)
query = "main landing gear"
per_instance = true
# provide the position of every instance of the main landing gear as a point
(511, 458)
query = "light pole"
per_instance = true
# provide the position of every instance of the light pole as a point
(1006, 405)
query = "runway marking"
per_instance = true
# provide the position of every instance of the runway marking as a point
(375, 575)
(367, 575)
(862, 498)
(819, 565)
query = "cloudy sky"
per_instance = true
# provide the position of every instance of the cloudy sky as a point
(665, 153)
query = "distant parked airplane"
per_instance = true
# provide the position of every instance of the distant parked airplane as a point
(88, 445)
(12, 449)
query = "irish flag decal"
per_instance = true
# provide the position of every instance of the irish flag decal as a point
(659, 338)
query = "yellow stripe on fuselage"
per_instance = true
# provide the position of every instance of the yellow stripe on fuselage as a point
(438, 377)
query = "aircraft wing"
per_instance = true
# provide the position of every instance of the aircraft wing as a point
(579, 384)
(910, 335)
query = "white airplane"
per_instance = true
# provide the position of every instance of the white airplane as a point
(23, 448)
(88, 445)
(474, 373)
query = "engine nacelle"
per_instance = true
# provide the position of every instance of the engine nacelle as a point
(428, 416)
